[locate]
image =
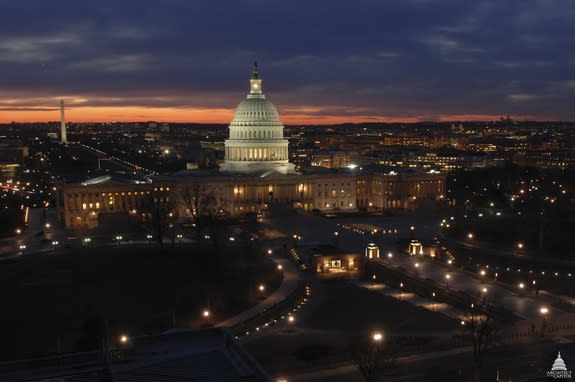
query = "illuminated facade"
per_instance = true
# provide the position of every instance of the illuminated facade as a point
(256, 173)
(256, 144)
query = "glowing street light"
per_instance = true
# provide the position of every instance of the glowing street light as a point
(447, 277)
(520, 245)
(521, 285)
(482, 272)
(123, 339)
(291, 318)
(280, 267)
(206, 313)
(377, 337)
(470, 235)
(262, 288)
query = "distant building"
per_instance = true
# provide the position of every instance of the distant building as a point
(333, 159)
(11, 159)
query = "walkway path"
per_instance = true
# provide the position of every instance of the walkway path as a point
(413, 299)
(289, 284)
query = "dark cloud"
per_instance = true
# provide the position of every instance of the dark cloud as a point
(393, 58)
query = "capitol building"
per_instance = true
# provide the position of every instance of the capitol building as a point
(255, 175)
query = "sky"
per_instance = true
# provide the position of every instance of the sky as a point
(321, 61)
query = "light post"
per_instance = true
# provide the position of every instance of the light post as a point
(261, 289)
(336, 238)
(206, 314)
(389, 257)
(401, 292)
(179, 236)
(433, 302)
(373, 277)
(544, 311)
(149, 237)
(377, 338)
(447, 277)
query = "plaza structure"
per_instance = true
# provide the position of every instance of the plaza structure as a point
(256, 174)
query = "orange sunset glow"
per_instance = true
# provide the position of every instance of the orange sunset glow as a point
(291, 116)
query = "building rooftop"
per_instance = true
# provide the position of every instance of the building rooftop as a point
(175, 356)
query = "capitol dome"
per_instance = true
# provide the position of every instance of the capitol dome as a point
(256, 112)
(256, 143)
(559, 364)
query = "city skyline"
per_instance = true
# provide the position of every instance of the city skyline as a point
(324, 63)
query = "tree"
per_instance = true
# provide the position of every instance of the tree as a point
(372, 359)
(158, 205)
(201, 204)
(480, 325)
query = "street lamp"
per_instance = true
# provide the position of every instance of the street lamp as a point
(470, 235)
(433, 302)
(149, 237)
(262, 287)
(520, 245)
(123, 339)
(291, 318)
(521, 285)
(377, 337)
(280, 267)
(206, 313)
(544, 311)
(447, 277)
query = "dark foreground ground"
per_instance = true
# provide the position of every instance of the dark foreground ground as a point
(60, 299)
(339, 315)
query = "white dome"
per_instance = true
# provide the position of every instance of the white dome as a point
(256, 112)
(256, 143)
(559, 364)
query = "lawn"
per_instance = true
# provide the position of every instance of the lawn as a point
(339, 314)
(134, 290)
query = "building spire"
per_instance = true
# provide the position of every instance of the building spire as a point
(255, 71)
(255, 83)
(63, 138)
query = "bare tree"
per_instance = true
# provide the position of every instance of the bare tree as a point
(158, 206)
(372, 359)
(201, 204)
(480, 326)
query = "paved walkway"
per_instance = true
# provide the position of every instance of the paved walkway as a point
(412, 298)
(289, 284)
